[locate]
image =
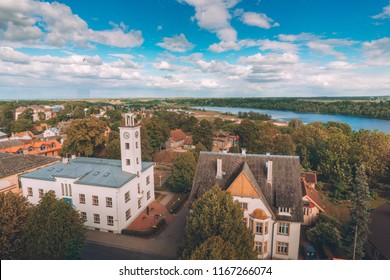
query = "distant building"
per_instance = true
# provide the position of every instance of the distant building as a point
(3, 135)
(268, 190)
(31, 147)
(47, 111)
(51, 132)
(378, 244)
(176, 139)
(312, 203)
(223, 141)
(109, 194)
(11, 165)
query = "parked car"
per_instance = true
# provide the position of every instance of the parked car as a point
(310, 252)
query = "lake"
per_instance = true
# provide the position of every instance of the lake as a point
(355, 122)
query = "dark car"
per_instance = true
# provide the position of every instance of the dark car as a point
(310, 252)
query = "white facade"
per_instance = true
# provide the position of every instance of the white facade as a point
(270, 234)
(107, 208)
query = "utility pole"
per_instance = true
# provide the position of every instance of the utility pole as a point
(354, 244)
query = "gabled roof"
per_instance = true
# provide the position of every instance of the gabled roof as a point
(313, 196)
(13, 164)
(177, 135)
(380, 229)
(10, 143)
(286, 184)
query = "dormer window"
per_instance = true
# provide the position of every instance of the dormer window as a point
(284, 211)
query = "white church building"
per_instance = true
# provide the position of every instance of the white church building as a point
(109, 194)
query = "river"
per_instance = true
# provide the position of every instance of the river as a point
(356, 123)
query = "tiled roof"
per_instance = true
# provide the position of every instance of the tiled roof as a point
(177, 135)
(35, 145)
(310, 177)
(313, 195)
(285, 190)
(13, 164)
(90, 171)
(10, 143)
(380, 229)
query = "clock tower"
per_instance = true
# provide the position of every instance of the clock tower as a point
(130, 138)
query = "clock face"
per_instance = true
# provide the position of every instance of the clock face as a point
(136, 134)
(126, 135)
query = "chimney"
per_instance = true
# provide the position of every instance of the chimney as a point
(269, 171)
(73, 156)
(65, 160)
(219, 169)
(243, 151)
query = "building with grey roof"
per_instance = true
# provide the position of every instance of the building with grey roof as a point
(11, 165)
(268, 187)
(109, 194)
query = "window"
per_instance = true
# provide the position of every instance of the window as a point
(139, 188)
(42, 148)
(127, 196)
(148, 195)
(127, 146)
(306, 211)
(29, 192)
(95, 200)
(136, 145)
(127, 162)
(259, 228)
(266, 228)
(110, 220)
(244, 206)
(109, 202)
(282, 248)
(284, 211)
(40, 192)
(70, 189)
(261, 248)
(96, 218)
(139, 203)
(128, 214)
(283, 228)
(63, 189)
(147, 180)
(83, 216)
(137, 160)
(82, 198)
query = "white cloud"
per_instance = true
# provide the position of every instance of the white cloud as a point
(215, 66)
(8, 54)
(384, 14)
(272, 58)
(377, 52)
(33, 22)
(256, 19)
(163, 65)
(326, 49)
(214, 16)
(298, 37)
(177, 43)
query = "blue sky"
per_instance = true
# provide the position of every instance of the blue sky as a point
(180, 48)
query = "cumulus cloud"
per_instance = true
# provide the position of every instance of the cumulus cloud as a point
(377, 52)
(33, 22)
(256, 19)
(177, 43)
(272, 58)
(298, 37)
(325, 49)
(214, 16)
(384, 14)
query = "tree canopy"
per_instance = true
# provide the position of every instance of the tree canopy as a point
(216, 214)
(85, 137)
(55, 230)
(182, 172)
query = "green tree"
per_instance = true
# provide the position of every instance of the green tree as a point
(113, 149)
(41, 116)
(284, 145)
(85, 137)
(6, 117)
(182, 172)
(294, 123)
(78, 113)
(27, 114)
(21, 125)
(327, 231)
(158, 132)
(14, 212)
(146, 148)
(203, 134)
(214, 248)
(55, 230)
(216, 214)
(360, 215)
(247, 132)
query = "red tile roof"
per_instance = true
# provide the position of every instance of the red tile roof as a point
(178, 135)
(313, 196)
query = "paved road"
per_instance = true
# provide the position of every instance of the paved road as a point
(109, 246)
(94, 251)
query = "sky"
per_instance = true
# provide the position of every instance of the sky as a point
(194, 48)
